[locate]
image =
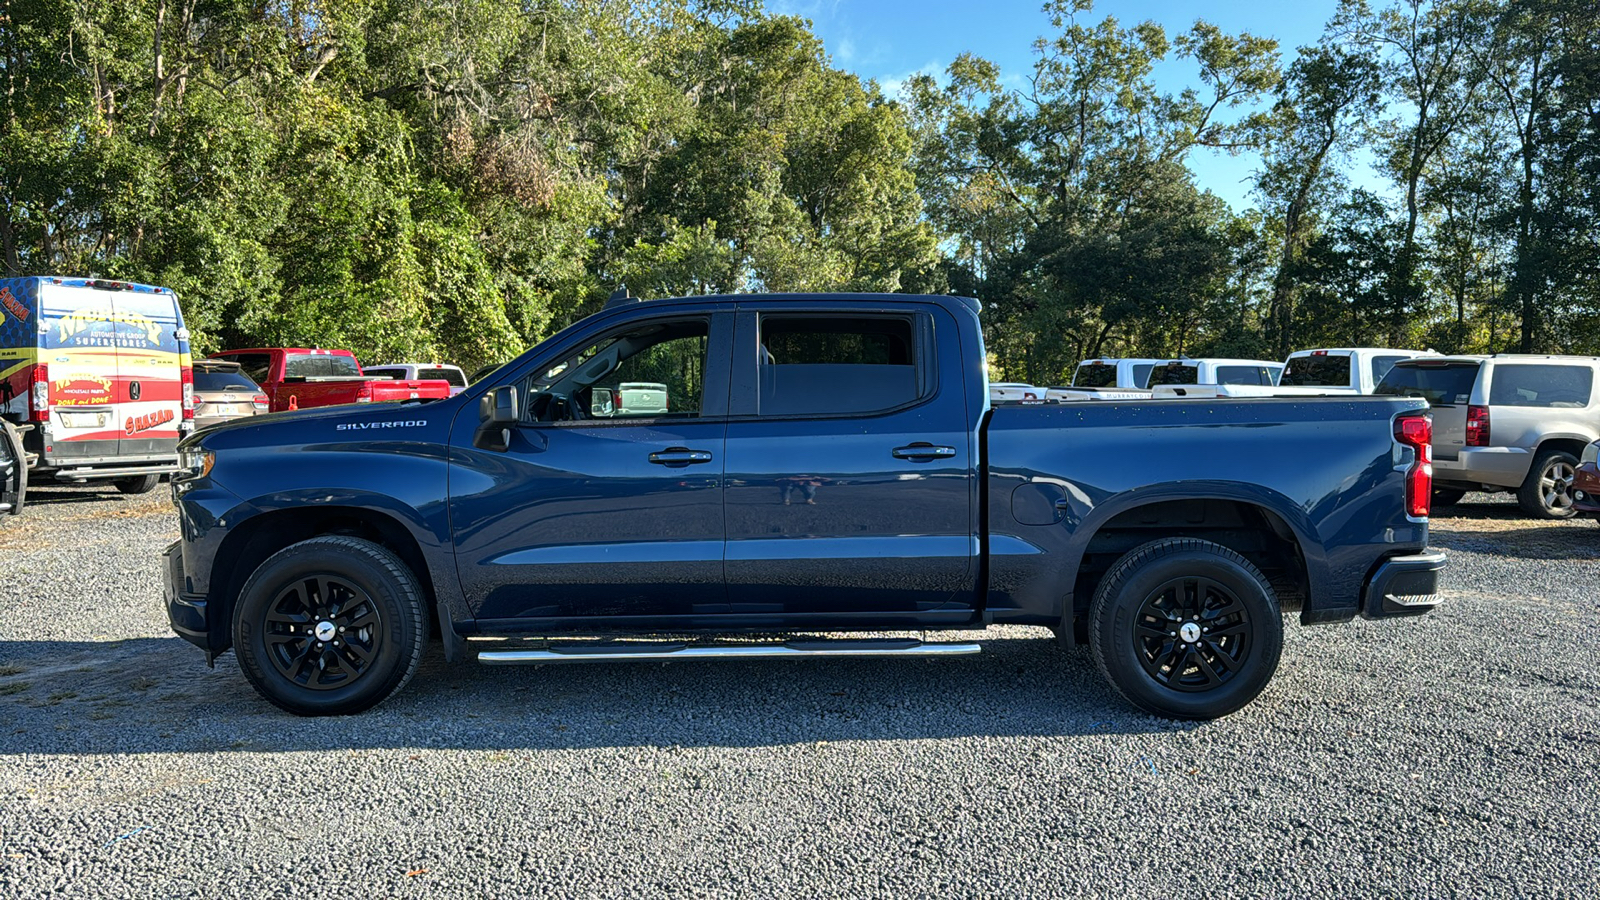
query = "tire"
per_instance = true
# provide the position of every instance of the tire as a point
(289, 626)
(1180, 678)
(1447, 497)
(1547, 491)
(138, 484)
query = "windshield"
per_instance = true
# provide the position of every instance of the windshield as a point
(1173, 373)
(1444, 384)
(1317, 371)
(1095, 375)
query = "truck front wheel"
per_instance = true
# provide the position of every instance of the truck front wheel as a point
(137, 484)
(1186, 629)
(329, 626)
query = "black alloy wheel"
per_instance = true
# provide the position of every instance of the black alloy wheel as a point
(322, 632)
(1186, 629)
(330, 626)
(1192, 634)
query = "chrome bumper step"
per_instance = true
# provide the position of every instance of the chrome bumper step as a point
(611, 651)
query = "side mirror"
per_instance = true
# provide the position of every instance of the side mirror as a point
(499, 407)
(497, 412)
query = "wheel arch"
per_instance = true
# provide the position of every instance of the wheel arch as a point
(1258, 524)
(252, 540)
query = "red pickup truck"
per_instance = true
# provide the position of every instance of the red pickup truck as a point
(301, 377)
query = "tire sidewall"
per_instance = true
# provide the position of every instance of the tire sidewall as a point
(1533, 498)
(365, 568)
(1112, 634)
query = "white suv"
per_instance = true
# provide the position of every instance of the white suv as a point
(1508, 422)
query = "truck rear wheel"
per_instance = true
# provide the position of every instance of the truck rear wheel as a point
(330, 626)
(137, 484)
(1186, 629)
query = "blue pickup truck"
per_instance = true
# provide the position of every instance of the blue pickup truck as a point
(828, 466)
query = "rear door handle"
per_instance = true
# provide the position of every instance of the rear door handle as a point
(922, 450)
(680, 456)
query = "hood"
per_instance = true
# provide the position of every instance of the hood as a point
(411, 417)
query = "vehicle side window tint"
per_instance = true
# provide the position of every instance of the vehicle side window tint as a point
(651, 371)
(255, 366)
(303, 365)
(1565, 386)
(1381, 366)
(1141, 376)
(810, 365)
(1244, 375)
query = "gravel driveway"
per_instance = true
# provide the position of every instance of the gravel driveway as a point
(1455, 754)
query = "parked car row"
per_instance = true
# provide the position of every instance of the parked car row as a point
(97, 384)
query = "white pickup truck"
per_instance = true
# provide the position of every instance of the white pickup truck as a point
(1347, 370)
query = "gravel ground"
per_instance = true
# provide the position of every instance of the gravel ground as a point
(1452, 755)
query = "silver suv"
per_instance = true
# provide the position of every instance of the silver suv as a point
(1508, 422)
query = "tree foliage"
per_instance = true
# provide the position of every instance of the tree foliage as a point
(457, 178)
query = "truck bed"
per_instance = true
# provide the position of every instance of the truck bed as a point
(1316, 467)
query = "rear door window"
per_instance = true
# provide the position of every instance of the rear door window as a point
(1380, 366)
(1565, 386)
(1441, 384)
(813, 365)
(254, 366)
(1244, 375)
(1141, 376)
(320, 365)
(1318, 371)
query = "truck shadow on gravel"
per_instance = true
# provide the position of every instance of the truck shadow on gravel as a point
(154, 695)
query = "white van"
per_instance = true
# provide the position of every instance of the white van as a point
(97, 376)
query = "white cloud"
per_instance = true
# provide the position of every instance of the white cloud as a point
(894, 86)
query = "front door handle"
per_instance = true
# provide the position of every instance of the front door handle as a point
(680, 456)
(921, 450)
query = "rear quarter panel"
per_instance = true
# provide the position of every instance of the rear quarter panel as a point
(1329, 468)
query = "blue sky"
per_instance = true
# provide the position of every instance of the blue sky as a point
(890, 40)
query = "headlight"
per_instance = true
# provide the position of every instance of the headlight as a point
(1591, 453)
(194, 462)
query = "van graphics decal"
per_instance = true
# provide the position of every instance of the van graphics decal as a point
(136, 424)
(12, 305)
(81, 389)
(101, 327)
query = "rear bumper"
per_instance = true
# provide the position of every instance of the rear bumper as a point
(1403, 586)
(1504, 467)
(185, 611)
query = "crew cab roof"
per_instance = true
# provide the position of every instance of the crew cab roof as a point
(948, 300)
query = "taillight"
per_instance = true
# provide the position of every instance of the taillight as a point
(616, 401)
(1477, 426)
(260, 401)
(188, 392)
(364, 393)
(1416, 432)
(39, 394)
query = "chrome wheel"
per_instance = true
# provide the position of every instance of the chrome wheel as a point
(1555, 485)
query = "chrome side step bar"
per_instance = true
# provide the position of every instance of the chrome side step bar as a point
(611, 651)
